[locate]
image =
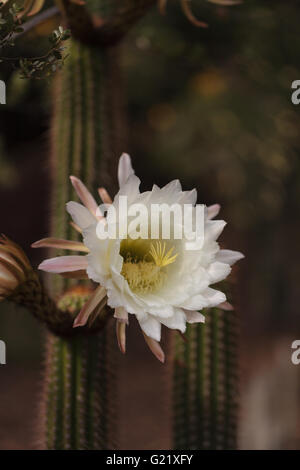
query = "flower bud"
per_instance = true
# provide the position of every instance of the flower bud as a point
(14, 267)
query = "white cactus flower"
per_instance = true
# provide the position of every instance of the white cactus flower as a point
(158, 281)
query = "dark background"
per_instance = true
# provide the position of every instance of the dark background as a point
(213, 108)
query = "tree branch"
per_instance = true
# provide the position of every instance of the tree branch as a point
(38, 20)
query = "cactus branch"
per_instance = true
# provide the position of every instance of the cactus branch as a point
(101, 29)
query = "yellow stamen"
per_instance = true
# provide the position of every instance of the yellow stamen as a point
(144, 269)
(159, 255)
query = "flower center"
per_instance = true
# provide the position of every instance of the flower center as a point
(145, 262)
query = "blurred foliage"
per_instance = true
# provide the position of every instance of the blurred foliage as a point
(13, 24)
(216, 104)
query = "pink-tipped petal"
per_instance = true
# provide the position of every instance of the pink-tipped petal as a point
(88, 308)
(226, 306)
(60, 244)
(192, 316)
(84, 195)
(106, 199)
(155, 348)
(63, 264)
(121, 314)
(125, 169)
(212, 211)
(75, 227)
(121, 335)
(97, 311)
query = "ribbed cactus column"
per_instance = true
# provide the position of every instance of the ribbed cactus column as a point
(79, 394)
(205, 384)
(88, 127)
(78, 399)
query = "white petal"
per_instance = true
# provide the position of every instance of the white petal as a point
(121, 314)
(212, 211)
(188, 197)
(172, 187)
(214, 297)
(162, 311)
(151, 327)
(130, 189)
(80, 214)
(125, 169)
(228, 256)
(218, 271)
(213, 229)
(84, 195)
(192, 316)
(64, 264)
(176, 322)
(208, 298)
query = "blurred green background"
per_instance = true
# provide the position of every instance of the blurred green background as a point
(213, 108)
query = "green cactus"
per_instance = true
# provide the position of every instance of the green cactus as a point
(88, 136)
(78, 401)
(78, 406)
(206, 385)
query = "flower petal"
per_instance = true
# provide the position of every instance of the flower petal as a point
(60, 244)
(151, 327)
(84, 195)
(226, 306)
(192, 316)
(63, 264)
(213, 229)
(208, 298)
(212, 211)
(88, 308)
(121, 314)
(228, 256)
(176, 322)
(80, 214)
(125, 169)
(130, 189)
(75, 227)
(155, 348)
(188, 197)
(106, 199)
(121, 335)
(218, 271)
